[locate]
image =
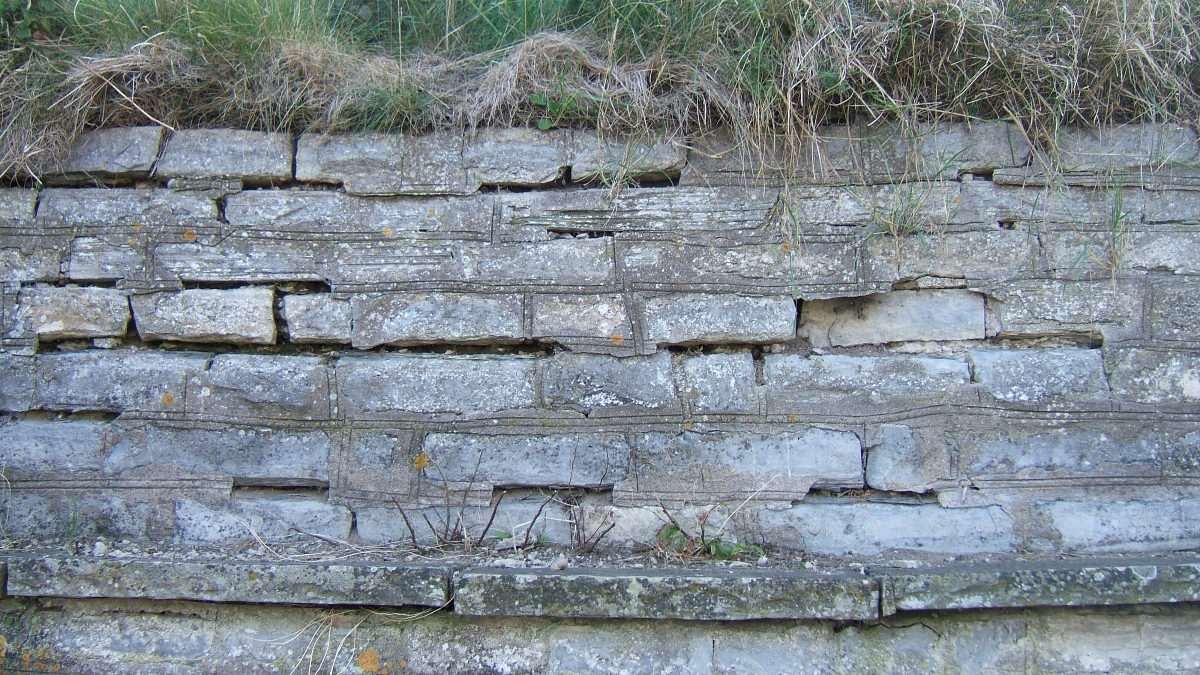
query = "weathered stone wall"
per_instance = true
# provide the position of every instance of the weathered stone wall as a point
(908, 347)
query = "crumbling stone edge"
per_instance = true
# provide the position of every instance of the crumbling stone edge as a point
(688, 594)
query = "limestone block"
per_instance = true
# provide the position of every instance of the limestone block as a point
(604, 385)
(1175, 309)
(17, 204)
(317, 318)
(272, 519)
(1055, 307)
(981, 147)
(262, 386)
(584, 323)
(124, 152)
(1096, 526)
(716, 466)
(856, 385)
(871, 528)
(815, 267)
(105, 259)
(906, 460)
(1125, 147)
(433, 318)
(238, 316)
(243, 259)
(623, 159)
(700, 318)
(29, 447)
(1150, 377)
(17, 393)
(385, 164)
(560, 460)
(54, 313)
(556, 263)
(116, 380)
(401, 385)
(1041, 376)
(518, 156)
(720, 383)
(324, 214)
(47, 515)
(514, 523)
(995, 254)
(253, 156)
(899, 316)
(105, 207)
(1029, 450)
(257, 455)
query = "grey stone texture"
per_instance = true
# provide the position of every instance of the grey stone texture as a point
(1156, 378)
(262, 386)
(324, 214)
(18, 204)
(1042, 376)
(905, 461)
(115, 380)
(900, 316)
(561, 460)
(317, 318)
(396, 386)
(381, 164)
(113, 153)
(859, 385)
(681, 319)
(54, 313)
(720, 383)
(423, 318)
(237, 316)
(1151, 155)
(109, 207)
(512, 522)
(1134, 526)
(17, 377)
(603, 385)
(585, 323)
(270, 519)
(253, 156)
(32, 446)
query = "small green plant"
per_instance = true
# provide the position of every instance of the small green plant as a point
(673, 541)
(23, 20)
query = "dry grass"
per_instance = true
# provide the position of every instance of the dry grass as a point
(770, 70)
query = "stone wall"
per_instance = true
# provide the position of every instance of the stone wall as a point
(908, 347)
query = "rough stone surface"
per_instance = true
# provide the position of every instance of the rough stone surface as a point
(1038, 308)
(322, 214)
(54, 313)
(77, 512)
(17, 378)
(1156, 377)
(116, 380)
(664, 595)
(872, 528)
(1125, 526)
(855, 385)
(383, 164)
(262, 387)
(699, 319)
(396, 385)
(900, 463)
(317, 318)
(253, 156)
(900, 316)
(1038, 452)
(17, 204)
(218, 581)
(587, 323)
(424, 318)
(603, 385)
(114, 153)
(577, 460)
(31, 447)
(238, 316)
(519, 520)
(720, 383)
(270, 518)
(105, 207)
(1041, 376)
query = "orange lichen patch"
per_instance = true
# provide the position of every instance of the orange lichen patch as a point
(368, 661)
(3, 646)
(137, 226)
(168, 399)
(616, 339)
(792, 418)
(687, 426)
(786, 246)
(404, 664)
(190, 235)
(421, 461)
(387, 231)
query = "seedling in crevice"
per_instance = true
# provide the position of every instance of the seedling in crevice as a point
(673, 541)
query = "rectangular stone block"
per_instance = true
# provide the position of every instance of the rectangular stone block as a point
(115, 380)
(786, 268)
(401, 386)
(56, 313)
(584, 323)
(385, 164)
(124, 152)
(253, 156)
(717, 466)
(323, 214)
(63, 515)
(273, 519)
(434, 318)
(238, 316)
(620, 159)
(899, 316)
(30, 447)
(1042, 377)
(227, 581)
(249, 455)
(696, 595)
(317, 318)
(262, 386)
(1017, 451)
(521, 519)
(1053, 307)
(106, 259)
(604, 385)
(697, 318)
(1102, 526)
(1156, 378)
(872, 528)
(17, 393)
(1174, 309)
(104, 207)
(18, 204)
(518, 156)
(243, 259)
(561, 262)
(907, 459)
(720, 383)
(858, 385)
(998, 254)
(560, 460)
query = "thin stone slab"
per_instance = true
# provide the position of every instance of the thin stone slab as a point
(125, 152)
(1156, 379)
(560, 460)
(103, 207)
(262, 386)
(253, 156)
(1125, 526)
(55, 313)
(697, 318)
(270, 519)
(385, 164)
(238, 315)
(1058, 584)
(433, 318)
(115, 380)
(899, 316)
(674, 594)
(378, 584)
(856, 385)
(400, 386)
(584, 323)
(817, 267)
(1041, 376)
(35, 446)
(605, 385)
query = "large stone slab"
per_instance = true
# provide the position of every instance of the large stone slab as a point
(715, 466)
(116, 380)
(1058, 584)
(1102, 526)
(1037, 377)
(604, 385)
(30, 447)
(434, 318)
(560, 460)
(238, 316)
(262, 386)
(226, 581)
(816, 267)
(698, 318)
(56, 515)
(268, 518)
(899, 316)
(906, 459)
(1174, 309)
(123, 152)
(585, 323)
(385, 164)
(106, 258)
(104, 207)
(252, 156)
(1157, 155)
(1078, 453)
(619, 594)
(401, 386)
(1056, 307)
(55, 313)
(870, 528)
(317, 318)
(857, 385)
(1156, 378)
(720, 383)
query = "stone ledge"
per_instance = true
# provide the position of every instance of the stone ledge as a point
(379, 584)
(715, 595)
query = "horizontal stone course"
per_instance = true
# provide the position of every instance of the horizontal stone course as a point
(695, 318)
(262, 386)
(422, 318)
(125, 152)
(317, 318)
(899, 316)
(857, 385)
(31, 447)
(1099, 526)
(238, 316)
(255, 455)
(322, 214)
(54, 313)
(560, 460)
(115, 380)
(602, 385)
(253, 156)
(1041, 376)
(270, 519)
(136, 208)
(397, 386)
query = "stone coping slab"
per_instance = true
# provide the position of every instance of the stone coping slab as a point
(378, 584)
(666, 594)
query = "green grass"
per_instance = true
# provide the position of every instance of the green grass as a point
(768, 69)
